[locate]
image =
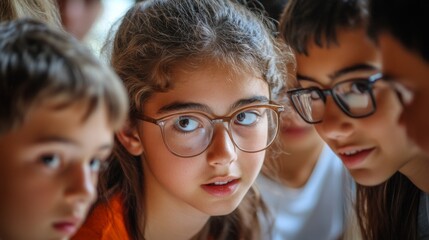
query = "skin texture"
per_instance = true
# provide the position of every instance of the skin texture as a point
(49, 171)
(381, 143)
(411, 70)
(175, 195)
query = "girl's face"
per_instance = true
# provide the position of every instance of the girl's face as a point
(372, 148)
(214, 182)
(49, 169)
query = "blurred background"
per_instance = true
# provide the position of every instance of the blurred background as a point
(91, 20)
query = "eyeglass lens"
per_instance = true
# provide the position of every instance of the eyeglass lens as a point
(189, 134)
(353, 97)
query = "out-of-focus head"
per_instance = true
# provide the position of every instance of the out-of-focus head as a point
(42, 10)
(78, 16)
(59, 108)
(39, 64)
(405, 58)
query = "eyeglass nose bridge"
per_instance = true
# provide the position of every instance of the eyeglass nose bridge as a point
(327, 92)
(220, 120)
(227, 128)
(226, 123)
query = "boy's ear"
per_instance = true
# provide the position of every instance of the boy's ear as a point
(130, 139)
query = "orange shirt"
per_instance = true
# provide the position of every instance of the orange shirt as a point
(105, 222)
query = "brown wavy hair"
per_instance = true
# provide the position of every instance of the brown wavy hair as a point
(152, 39)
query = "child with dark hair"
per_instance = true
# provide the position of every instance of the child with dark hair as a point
(404, 48)
(356, 114)
(59, 107)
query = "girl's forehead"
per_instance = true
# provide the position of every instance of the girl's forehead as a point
(214, 88)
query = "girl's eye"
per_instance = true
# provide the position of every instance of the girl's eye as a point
(186, 124)
(246, 118)
(95, 164)
(51, 161)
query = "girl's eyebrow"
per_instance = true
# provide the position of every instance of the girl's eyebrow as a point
(191, 106)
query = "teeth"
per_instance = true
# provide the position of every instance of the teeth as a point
(220, 183)
(351, 152)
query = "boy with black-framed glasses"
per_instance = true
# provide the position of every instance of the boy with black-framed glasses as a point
(356, 115)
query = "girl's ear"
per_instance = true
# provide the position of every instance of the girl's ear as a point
(130, 139)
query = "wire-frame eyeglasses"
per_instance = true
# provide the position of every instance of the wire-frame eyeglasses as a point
(188, 134)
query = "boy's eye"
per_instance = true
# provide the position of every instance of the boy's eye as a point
(52, 161)
(97, 164)
(360, 87)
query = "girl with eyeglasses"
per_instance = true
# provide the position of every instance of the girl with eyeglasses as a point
(356, 114)
(200, 76)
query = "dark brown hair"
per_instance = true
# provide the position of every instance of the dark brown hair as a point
(388, 210)
(39, 63)
(304, 21)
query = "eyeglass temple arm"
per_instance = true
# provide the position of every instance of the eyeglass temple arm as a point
(147, 119)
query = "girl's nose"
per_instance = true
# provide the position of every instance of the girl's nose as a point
(222, 150)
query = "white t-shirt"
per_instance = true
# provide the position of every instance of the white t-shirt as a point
(316, 211)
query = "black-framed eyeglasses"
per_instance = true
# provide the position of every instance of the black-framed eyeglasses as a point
(188, 134)
(354, 97)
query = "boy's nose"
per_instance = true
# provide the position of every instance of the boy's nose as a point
(336, 124)
(82, 185)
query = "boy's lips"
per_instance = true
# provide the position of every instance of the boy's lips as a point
(67, 226)
(353, 156)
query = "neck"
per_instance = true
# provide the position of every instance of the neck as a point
(167, 217)
(296, 167)
(416, 170)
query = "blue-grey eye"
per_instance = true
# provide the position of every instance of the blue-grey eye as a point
(95, 164)
(52, 161)
(246, 118)
(186, 124)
